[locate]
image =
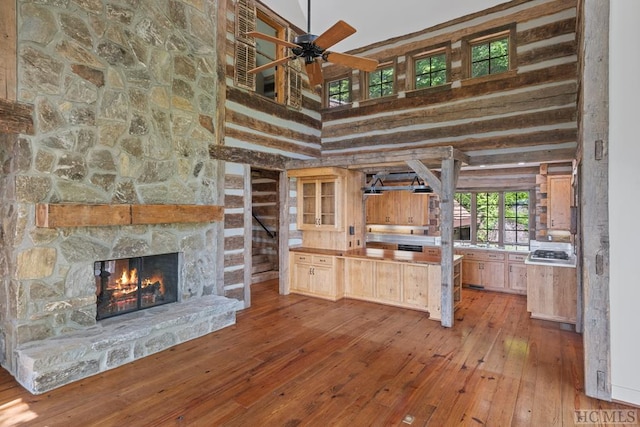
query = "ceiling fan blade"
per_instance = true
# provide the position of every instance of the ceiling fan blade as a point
(271, 39)
(359, 62)
(314, 72)
(270, 64)
(338, 32)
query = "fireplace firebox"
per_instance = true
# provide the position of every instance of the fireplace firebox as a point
(132, 284)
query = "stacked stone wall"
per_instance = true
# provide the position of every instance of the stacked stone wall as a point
(124, 97)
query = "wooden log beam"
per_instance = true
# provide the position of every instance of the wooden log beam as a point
(426, 175)
(255, 158)
(534, 156)
(173, 214)
(16, 117)
(358, 161)
(52, 215)
(594, 137)
(450, 170)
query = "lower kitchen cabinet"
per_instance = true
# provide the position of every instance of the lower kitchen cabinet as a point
(388, 277)
(316, 275)
(517, 273)
(484, 268)
(552, 293)
(359, 278)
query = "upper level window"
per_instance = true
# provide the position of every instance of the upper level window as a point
(269, 82)
(490, 55)
(381, 81)
(430, 69)
(339, 92)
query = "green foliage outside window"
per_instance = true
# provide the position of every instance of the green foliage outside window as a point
(431, 71)
(516, 217)
(490, 57)
(381, 82)
(487, 216)
(339, 92)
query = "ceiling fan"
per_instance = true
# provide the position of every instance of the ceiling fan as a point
(313, 49)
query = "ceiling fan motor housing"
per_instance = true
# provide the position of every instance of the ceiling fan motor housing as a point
(307, 48)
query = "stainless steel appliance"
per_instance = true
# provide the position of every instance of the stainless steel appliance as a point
(551, 253)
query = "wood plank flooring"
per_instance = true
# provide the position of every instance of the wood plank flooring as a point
(299, 361)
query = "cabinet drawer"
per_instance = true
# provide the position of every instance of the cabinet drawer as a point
(322, 260)
(517, 257)
(483, 255)
(302, 258)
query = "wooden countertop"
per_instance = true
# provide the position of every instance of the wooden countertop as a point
(379, 254)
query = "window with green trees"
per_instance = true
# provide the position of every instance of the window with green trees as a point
(430, 70)
(381, 82)
(490, 56)
(339, 92)
(516, 218)
(487, 217)
(492, 217)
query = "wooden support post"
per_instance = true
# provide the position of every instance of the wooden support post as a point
(283, 234)
(594, 127)
(450, 170)
(248, 235)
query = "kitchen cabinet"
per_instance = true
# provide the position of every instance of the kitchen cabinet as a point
(382, 245)
(552, 293)
(359, 278)
(398, 208)
(329, 207)
(559, 202)
(517, 273)
(484, 268)
(388, 276)
(316, 275)
(318, 203)
(430, 251)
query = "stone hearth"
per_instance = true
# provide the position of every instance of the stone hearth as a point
(56, 361)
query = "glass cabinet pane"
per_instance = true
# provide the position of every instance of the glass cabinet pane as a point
(328, 203)
(309, 203)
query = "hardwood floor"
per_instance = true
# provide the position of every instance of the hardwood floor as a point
(294, 360)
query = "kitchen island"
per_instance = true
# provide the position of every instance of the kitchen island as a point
(398, 278)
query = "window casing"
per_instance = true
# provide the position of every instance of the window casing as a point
(381, 82)
(430, 69)
(489, 54)
(493, 217)
(269, 82)
(338, 92)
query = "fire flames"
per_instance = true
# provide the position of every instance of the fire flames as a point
(128, 284)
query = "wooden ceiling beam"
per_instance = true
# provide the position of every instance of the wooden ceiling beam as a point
(536, 156)
(430, 156)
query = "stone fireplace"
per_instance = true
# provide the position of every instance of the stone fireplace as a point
(124, 99)
(132, 284)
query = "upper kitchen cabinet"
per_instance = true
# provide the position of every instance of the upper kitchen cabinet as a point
(318, 203)
(559, 202)
(329, 207)
(398, 208)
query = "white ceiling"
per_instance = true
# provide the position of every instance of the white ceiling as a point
(375, 21)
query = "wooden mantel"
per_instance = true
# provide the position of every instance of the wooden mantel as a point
(16, 117)
(51, 215)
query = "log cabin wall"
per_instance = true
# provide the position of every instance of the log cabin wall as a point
(526, 114)
(254, 122)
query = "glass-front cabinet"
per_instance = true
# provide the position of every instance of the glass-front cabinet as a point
(318, 203)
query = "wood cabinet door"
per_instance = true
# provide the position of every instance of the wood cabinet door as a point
(492, 274)
(359, 278)
(518, 277)
(323, 281)
(388, 279)
(415, 284)
(318, 203)
(300, 277)
(471, 273)
(559, 202)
